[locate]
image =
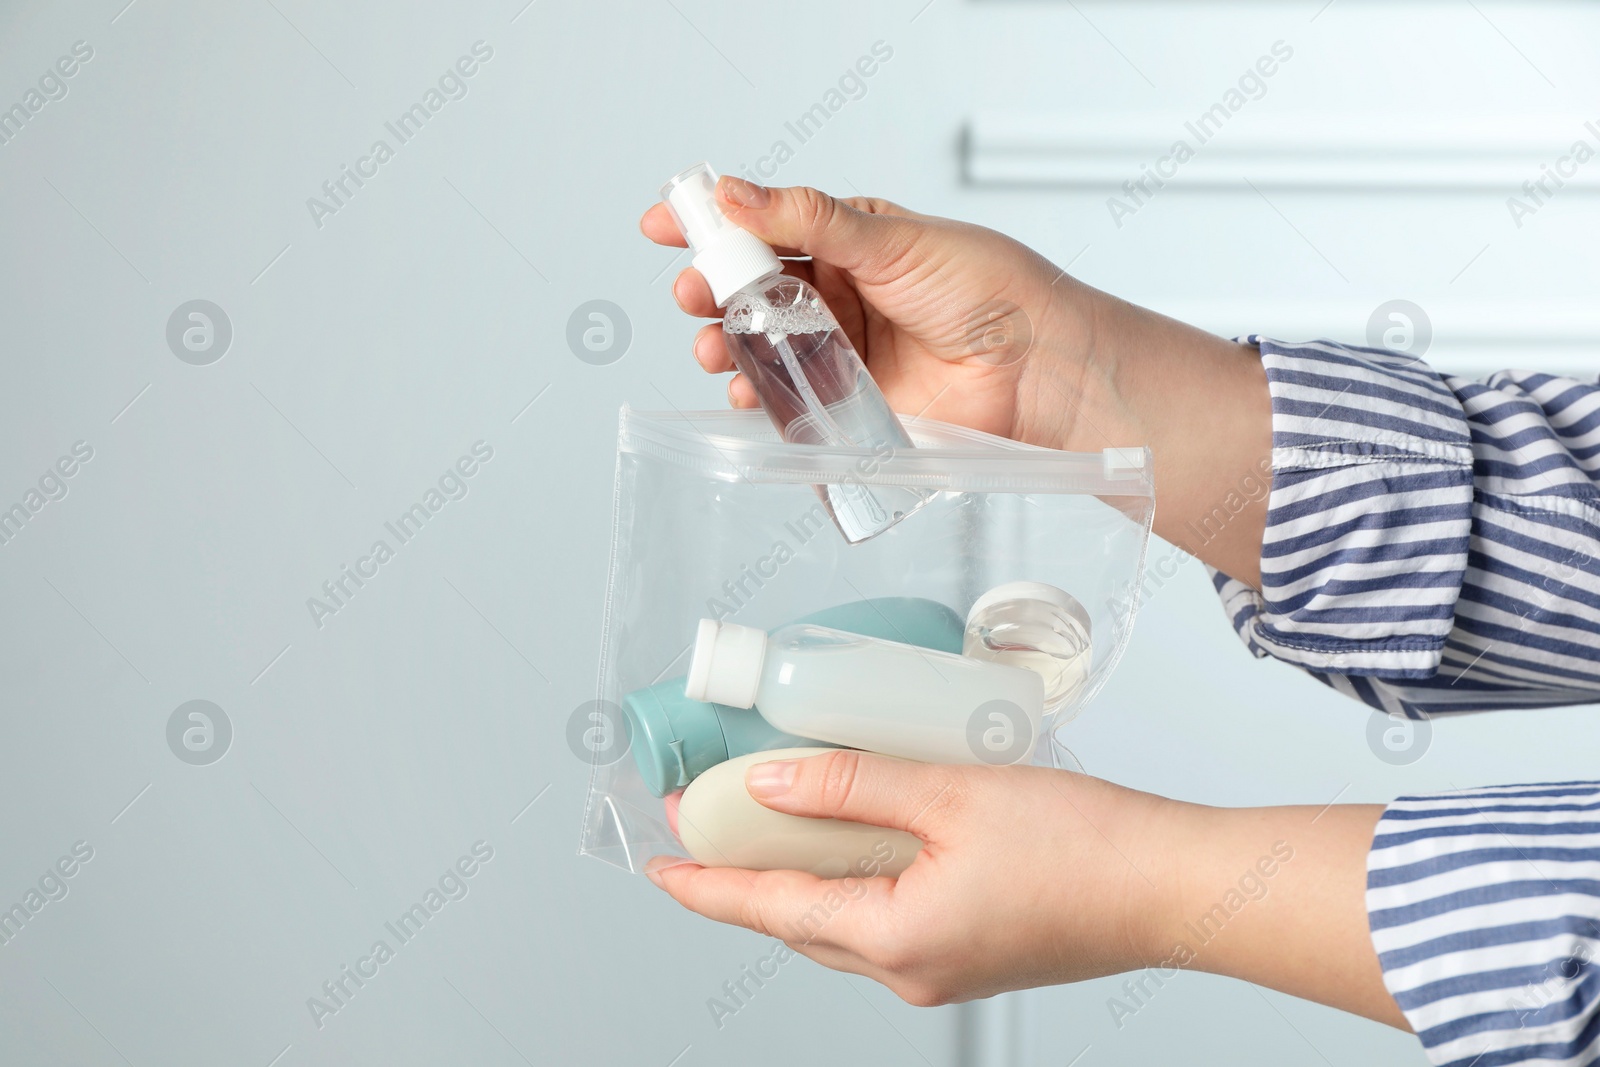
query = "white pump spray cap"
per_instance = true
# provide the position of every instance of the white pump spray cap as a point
(729, 257)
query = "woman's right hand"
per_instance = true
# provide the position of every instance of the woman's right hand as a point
(955, 321)
(963, 324)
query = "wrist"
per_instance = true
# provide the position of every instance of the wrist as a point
(1158, 840)
(1277, 896)
(1069, 393)
(1175, 844)
(1226, 862)
(1200, 403)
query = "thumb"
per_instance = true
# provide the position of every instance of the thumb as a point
(865, 243)
(860, 787)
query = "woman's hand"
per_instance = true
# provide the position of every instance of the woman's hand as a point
(963, 324)
(1022, 880)
(951, 318)
(1032, 877)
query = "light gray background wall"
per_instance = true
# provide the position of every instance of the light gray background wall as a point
(371, 352)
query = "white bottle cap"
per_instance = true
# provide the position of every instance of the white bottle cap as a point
(726, 665)
(1039, 591)
(729, 257)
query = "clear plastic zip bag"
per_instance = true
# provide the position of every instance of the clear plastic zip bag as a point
(717, 518)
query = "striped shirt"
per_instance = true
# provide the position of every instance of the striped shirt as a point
(1433, 546)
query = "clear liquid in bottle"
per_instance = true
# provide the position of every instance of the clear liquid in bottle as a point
(1037, 626)
(815, 389)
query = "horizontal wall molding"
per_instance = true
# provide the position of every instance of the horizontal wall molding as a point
(1328, 151)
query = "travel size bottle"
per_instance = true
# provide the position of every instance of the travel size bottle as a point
(806, 373)
(675, 739)
(1037, 626)
(721, 825)
(868, 693)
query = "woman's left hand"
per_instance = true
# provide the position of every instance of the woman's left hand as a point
(1030, 876)
(1027, 876)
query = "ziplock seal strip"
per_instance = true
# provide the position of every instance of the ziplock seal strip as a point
(991, 464)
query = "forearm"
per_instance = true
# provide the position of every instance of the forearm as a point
(1277, 896)
(1274, 896)
(1199, 402)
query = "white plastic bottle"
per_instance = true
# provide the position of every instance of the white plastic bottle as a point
(785, 340)
(1037, 626)
(863, 692)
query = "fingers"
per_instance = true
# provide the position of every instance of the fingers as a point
(861, 787)
(741, 394)
(791, 905)
(711, 349)
(693, 295)
(867, 243)
(711, 352)
(848, 924)
(656, 223)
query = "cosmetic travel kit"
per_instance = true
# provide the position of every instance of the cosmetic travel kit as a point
(822, 573)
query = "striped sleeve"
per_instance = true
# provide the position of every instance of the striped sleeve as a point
(1432, 543)
(1484, 907)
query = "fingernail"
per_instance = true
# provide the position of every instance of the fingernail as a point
(770, 779)
(658, 864)
(743, 193)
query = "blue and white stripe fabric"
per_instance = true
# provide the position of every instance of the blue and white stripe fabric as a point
(1433, 546)
(1432, 543)
(1484, 906)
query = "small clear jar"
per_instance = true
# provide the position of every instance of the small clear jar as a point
(1037, 626)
